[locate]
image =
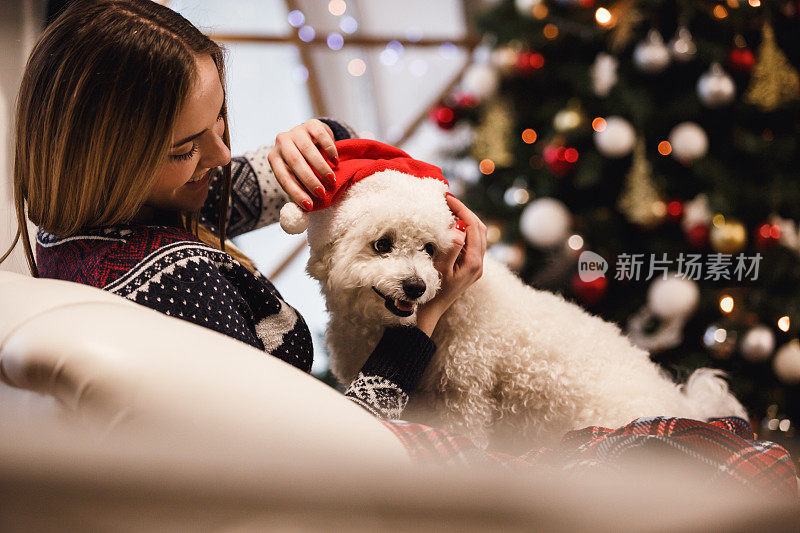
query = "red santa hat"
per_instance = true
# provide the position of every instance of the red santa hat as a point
(358, 159)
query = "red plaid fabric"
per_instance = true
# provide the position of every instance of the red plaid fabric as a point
(723, 447)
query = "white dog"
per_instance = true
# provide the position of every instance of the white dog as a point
(512, 363)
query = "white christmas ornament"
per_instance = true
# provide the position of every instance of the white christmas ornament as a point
(525, 7)
(481, 80)
(651, 55)
(689, 141)
(715, 88)
(617, 139)
(682, 46)
(545, 223)
(758, 344)
(790, 236)
(696, 213)
(787, 363)
(604, 74)
(674, 297)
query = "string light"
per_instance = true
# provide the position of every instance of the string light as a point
(664, 148)
(550, 31)
(659, 209)
(675, 208)
(414, 34)
(306, 33)
(571, 155)
(337, 7)
(726, 304)
(486, 166)
(348, 24)
(599, 124)
(784, 323)
(540, 11)
(529, 136)
(754, 3)
(720, 12)
(356, 67)
(719, 220)
(575, 242)
(335, 41)
(603, 16)
(296, 18)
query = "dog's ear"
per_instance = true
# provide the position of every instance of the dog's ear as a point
(319, 264)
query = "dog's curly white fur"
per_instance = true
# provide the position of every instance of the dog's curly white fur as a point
(512, 363)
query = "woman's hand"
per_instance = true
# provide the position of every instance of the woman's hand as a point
(460, 266)
(297, 154)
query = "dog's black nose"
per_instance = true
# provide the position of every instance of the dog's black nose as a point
(413, 287)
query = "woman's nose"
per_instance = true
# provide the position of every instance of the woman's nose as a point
(214, 151)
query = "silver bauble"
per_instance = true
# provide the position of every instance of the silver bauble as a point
(617, 139)
(715, 88)
(682, 46)
(787, 363)
(758, 344)
(689, 141)
(651, 55)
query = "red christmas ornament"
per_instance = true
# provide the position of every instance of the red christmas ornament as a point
(767, 235)
(698, 236)
(560, 159)
(444, 116)
(529, 62)
(741, 59)
(675, 210)
(589, 292)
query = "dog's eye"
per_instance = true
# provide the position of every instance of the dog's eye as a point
(430, 249)
(383, 245)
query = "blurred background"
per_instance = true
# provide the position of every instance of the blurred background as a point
(660, 135)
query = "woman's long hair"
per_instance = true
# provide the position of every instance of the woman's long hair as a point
(98, 104)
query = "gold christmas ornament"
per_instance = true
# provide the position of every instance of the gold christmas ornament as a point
(626, 17)
(640, 201)
(570, 118)
(494, 134)
(728, 236)
(775, 81)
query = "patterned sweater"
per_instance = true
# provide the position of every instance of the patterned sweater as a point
(169, 270)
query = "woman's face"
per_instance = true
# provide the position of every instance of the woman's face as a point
(196, 148)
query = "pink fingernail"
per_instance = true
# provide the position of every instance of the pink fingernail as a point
(319, 192)
(460, 226)
(307, 205)
(331, 178)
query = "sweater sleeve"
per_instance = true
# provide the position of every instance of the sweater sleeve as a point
(392, 371)
(256, 196)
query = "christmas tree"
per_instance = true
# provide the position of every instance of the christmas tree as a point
(658, 140)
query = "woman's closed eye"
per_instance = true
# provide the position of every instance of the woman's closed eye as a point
(193, 150)
(187, 155)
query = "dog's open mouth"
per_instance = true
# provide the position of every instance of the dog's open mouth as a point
(401, 308)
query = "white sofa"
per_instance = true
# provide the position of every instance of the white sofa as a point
(113, 416)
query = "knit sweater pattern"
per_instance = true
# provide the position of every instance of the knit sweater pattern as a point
(171, 271)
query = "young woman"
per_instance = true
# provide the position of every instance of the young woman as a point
(123, 162)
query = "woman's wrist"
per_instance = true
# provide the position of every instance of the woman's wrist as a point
(427, 318)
